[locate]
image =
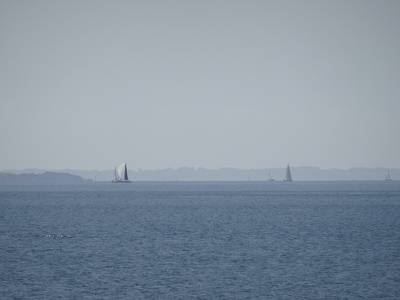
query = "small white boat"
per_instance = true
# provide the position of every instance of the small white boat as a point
(270, 179)
(121, 174)
(388, 178)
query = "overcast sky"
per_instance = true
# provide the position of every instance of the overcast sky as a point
(158, 84)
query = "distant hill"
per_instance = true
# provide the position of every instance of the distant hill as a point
(227, 174)
(43, 177)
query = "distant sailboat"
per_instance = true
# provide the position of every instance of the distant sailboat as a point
(121, 174)
(269, 177)
(288, 175)
(388, 178)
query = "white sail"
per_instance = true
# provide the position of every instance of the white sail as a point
(388, 178)
(121, 171)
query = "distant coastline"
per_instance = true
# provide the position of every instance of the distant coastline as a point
(41, 177)
(202, 174)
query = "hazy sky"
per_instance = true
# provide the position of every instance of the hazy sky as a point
(158, 84)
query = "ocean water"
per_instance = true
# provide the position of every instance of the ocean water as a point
(200, 240)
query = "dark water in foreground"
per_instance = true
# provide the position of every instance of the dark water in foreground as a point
(237, 240)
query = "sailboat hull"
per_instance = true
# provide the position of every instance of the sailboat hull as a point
(121, 181)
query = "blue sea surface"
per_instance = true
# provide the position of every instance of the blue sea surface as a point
(200, 240)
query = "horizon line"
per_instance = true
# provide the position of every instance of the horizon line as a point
(198, 168)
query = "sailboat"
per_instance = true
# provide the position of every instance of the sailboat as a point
(388, 178)
(288, 175)
(121, 174)
(269, 177)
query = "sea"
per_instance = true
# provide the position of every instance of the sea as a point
(200, 240)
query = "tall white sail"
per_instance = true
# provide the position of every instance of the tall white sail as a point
(121, 171)
(388, 178)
